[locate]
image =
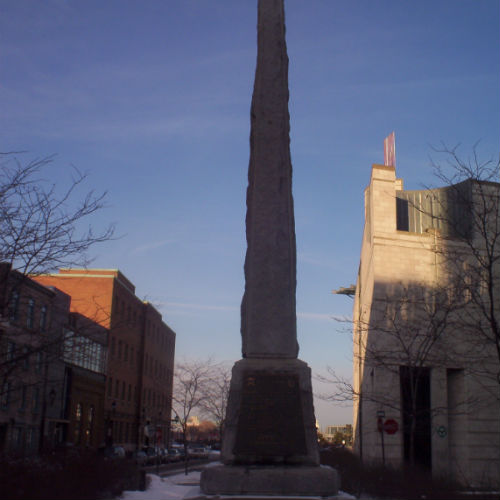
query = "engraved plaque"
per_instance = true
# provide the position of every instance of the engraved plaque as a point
(270, 423)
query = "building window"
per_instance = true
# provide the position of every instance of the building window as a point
(125, 353)
(43, 318)
(78, 422)
(25, 358)
(39, 362)
(123, 391)
(132, 356)
(129, 394)
(402, 220)
(120, 349)
(90, 427)
(35, 400)
(24, 395)
(117, 388)
(18, 437)
(14, 305)
(30, 314)
(11, 351)
(5, 395)
(110, 387)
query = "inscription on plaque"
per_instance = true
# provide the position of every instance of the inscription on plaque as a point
(271, 423)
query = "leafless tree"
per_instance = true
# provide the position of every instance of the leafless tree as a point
(469, 243)
(407, 332)
(43, 225)
(191, 379)
(214, 403)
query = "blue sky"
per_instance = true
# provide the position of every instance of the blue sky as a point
(152, 99)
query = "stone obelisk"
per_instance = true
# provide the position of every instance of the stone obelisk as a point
(270, 442)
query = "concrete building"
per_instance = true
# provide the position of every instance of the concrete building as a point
(343, 433)
(424, 383)
(140, 361)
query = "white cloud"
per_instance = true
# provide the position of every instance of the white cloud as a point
(149, 246)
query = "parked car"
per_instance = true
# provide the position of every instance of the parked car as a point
(198, 452)
(115, 452)
(140, 457)
(162, 454)
(151, 455)
(174, 455)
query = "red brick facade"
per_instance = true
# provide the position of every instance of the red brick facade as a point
(140, 361)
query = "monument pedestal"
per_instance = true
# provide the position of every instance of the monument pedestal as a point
(270, 442)
(272, 480)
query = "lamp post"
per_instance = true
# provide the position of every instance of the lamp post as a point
(176, 421)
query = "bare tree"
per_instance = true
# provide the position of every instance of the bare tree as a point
(467, 211)
(406, 333)
(214, 403)
(42, 226)
(191, 379)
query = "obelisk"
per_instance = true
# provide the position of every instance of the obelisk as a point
(268, 320)
(270, 444)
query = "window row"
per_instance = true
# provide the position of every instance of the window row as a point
(23, 357)
(152, 399)
(119, 389)
(154, 332)
(124, 432)
(127, 354)
(85, 352)
(22, 396)
(128, 313)
(155, 368)
(30, 312)
(124, 352)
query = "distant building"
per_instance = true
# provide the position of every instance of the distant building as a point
(344, 432)
(410, 359)
(140, 354)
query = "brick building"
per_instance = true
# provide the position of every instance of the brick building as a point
(140, 362)
(416, 362)
(84, 355)
(32, 322)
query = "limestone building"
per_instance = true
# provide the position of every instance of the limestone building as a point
(424, 377)
(140, 359)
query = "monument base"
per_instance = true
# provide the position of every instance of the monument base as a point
(271, 480)
(270, 444)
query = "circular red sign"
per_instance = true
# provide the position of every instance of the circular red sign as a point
(391, 426)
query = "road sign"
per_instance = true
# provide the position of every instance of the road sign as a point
(391, 426)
